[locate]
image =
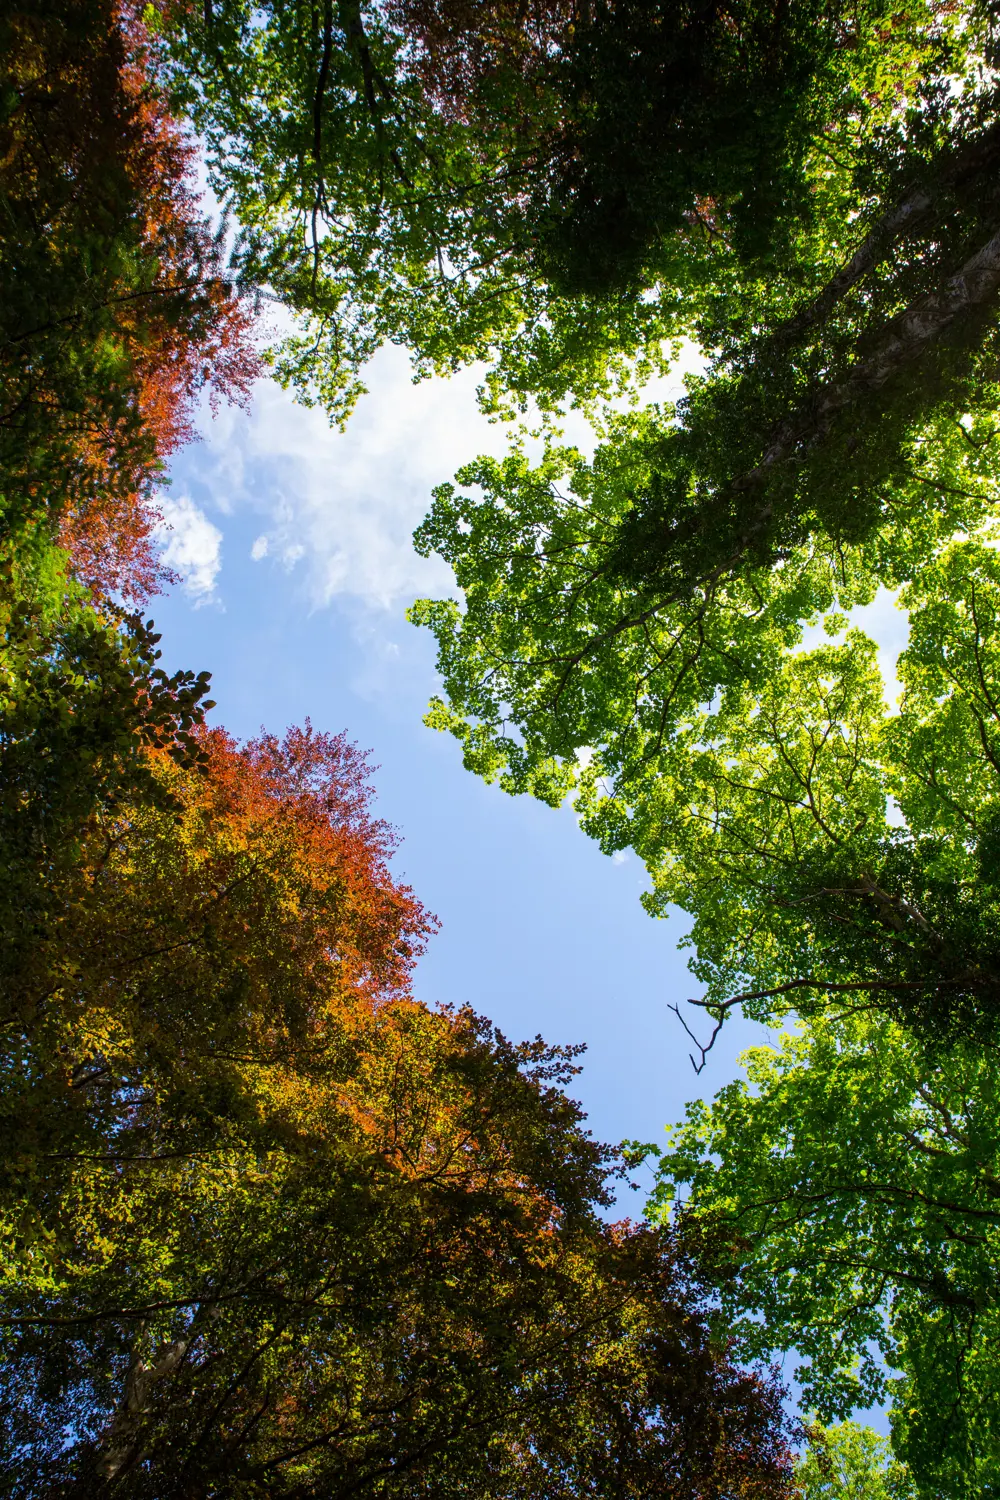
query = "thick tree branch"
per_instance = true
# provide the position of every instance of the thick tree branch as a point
(954, 171)
(900, 344)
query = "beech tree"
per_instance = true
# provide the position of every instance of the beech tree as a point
(768, 818)
(630, 634)
(850, 1462)
(427, 174)
(853, 1172)
(846, 412)
(117, 311)
(273, 1227)
(82, 702)
(269, 1225)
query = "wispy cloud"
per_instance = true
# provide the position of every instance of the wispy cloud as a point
(340, 507)
(191, 545)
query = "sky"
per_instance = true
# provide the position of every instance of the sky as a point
(293, 541)
(294, 544)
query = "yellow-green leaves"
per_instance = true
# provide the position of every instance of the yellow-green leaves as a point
(851, 1462)
(946, 745)
(853, 1177)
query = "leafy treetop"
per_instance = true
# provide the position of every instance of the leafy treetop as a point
(428, 175)
(117, 312)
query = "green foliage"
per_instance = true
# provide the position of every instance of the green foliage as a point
(270, 1227)
(773, 829)
(81, 703)
(842, 434)
(632, 635)
(703, 116)
(375, 216)
(853, 1174)
(428, 175)
(851, 1462)
(604, 603)
(556, 649)
(854, 1170)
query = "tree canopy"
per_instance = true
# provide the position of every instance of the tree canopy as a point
(271, 1227)
(116, 307)
(843, 427)
(850, 1462)
(631, 633)
(553, 187)
(854, 1175)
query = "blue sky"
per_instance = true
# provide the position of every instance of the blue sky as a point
(294, 542)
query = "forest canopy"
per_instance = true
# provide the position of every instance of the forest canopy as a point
(271, 1226)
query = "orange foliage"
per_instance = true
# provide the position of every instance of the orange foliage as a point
(302, 803)
(121, 316)
(237, 937)
(112, 542)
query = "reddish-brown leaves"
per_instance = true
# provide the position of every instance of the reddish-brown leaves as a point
(116, 310)
(461, 46)
(306, 800)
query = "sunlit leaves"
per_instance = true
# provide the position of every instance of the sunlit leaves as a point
(854, 1175)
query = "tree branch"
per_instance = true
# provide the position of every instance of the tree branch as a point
(910, 211)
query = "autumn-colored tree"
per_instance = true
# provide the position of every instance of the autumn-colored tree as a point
(271, 1226)
(116, 312)
(214, 925)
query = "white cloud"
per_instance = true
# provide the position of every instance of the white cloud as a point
(341, 507)
(345, 504)
(191, 545)
(889, 627)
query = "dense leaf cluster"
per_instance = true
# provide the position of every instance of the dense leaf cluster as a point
(116, 312)
(542, 186)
